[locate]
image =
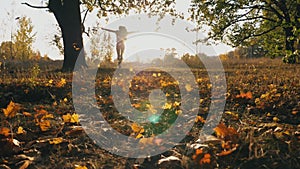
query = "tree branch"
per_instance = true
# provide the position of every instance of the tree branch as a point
(32, 6)
(260, 34)
(103, 8)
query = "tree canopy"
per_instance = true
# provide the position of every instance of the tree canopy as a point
(241, 22)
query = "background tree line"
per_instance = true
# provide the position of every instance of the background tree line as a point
(20, 48)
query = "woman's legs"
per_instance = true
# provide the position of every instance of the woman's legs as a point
(120, 51)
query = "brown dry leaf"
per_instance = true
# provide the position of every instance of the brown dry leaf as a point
(75, 131)
(5, 131)
(25, 164)
(27, 114)
(226, 133)
(11, 110)
(57, 140)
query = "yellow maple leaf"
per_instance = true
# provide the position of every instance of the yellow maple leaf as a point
(74, 118)
(68, 118)
(11, 110)
(57, 140)
(20, 130)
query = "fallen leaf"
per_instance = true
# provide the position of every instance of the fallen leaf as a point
(227, 152)
(205, 159)
(68, 118)
(27, 114)
(199, 119)
(243, 95)
(136, 128)
(45, 125)
(20, 130)
(57, 140)
(146, 140)
(188, 87)
(80, 167)
(25, 164)
(5, 131)
(11, 110)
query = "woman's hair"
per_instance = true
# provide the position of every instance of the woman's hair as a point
(122, 29)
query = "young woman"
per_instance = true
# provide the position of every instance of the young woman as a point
(121, 37)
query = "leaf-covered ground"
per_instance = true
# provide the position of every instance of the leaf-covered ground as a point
(260, 125)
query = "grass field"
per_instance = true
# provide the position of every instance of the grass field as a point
(259, 128)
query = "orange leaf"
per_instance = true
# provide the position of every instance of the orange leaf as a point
(20, 130)
(45, 125)
(136, 128)
(5, 131)
(223, 131)
(205, 159)
(11, 110)
(225, 153)
(243, 95)
(27, 114)
(56, 140)
(200, 119)
(80, 167)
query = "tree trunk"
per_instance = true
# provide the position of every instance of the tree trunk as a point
(289, 39)
(68, 17)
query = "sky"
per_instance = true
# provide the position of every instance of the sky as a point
(45, 27)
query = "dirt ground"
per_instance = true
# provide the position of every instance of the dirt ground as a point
(259, 128)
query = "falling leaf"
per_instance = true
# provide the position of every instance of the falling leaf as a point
(20, 130)
(57, 140)
(11, 110)
(5, 131)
